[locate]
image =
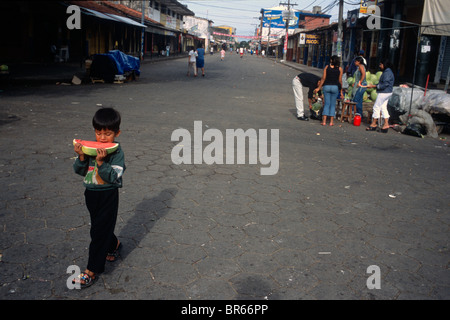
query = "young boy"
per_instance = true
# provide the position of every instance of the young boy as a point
(102, 178)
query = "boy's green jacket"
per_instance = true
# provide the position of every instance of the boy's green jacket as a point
(107, 176)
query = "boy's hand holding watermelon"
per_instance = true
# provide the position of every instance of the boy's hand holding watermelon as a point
(79, 151)
(101, 154)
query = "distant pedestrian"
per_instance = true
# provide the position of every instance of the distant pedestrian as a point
(201, 59)
(222, 54)
(167, 50)
(332, 85)
(192, 62)
(102, 178)
(241, 52)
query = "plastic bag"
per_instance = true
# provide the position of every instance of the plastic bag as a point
(344, 81)
(437, 102)
(400, 108)
(316, 111)
(415, 129)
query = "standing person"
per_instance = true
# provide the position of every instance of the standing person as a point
(102, 178)
(167, 50)
(201, 59)
(359, 87)
(384, 87)
(352, 68)
(241, 52)
(307, 80)
(192, 62)
(222, 54)
(332, 84)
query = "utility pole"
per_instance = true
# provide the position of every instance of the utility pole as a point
(287, 26)
(261, 30)
(340, 29)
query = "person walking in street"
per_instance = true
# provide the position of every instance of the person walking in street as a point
(222, 54)
(332, 84)
(385, 88)
(359, 87)
(201, 59)
(310, 81)
(192, 62)
(102, 178)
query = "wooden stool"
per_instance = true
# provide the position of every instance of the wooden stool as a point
(348, 108)
(339, 107)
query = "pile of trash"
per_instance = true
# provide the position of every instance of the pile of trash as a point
(416, 118)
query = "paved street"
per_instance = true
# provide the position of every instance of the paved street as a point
(342, 200)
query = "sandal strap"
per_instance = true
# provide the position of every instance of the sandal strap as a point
(116, 252)
(85, 277)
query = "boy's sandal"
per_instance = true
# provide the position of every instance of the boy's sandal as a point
(86, 278)
(115, 254)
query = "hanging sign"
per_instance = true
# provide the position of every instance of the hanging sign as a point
(366, 4)
(302, 38)
(312, 39)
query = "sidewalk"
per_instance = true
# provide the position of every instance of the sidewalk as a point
(319, 72)
(302, 67)
(52, 72)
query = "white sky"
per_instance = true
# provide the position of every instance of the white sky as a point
(243, 14)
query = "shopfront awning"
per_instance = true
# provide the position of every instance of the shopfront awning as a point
(112, 17)
(436, 18)
(162, 32)
(97, 14)
(127, 20)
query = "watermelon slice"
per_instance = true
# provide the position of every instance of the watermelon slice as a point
(90, 147)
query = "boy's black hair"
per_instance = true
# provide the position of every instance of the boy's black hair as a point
(106, 118)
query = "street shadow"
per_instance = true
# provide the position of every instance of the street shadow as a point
(147, 213)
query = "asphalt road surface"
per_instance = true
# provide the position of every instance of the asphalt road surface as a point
(343, 213)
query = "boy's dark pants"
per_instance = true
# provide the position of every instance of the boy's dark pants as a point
(103, 207)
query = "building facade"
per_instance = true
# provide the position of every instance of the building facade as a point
(423, 58)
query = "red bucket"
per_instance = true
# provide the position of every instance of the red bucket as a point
(357, 120)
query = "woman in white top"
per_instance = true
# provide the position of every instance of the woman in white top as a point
(192, 62)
